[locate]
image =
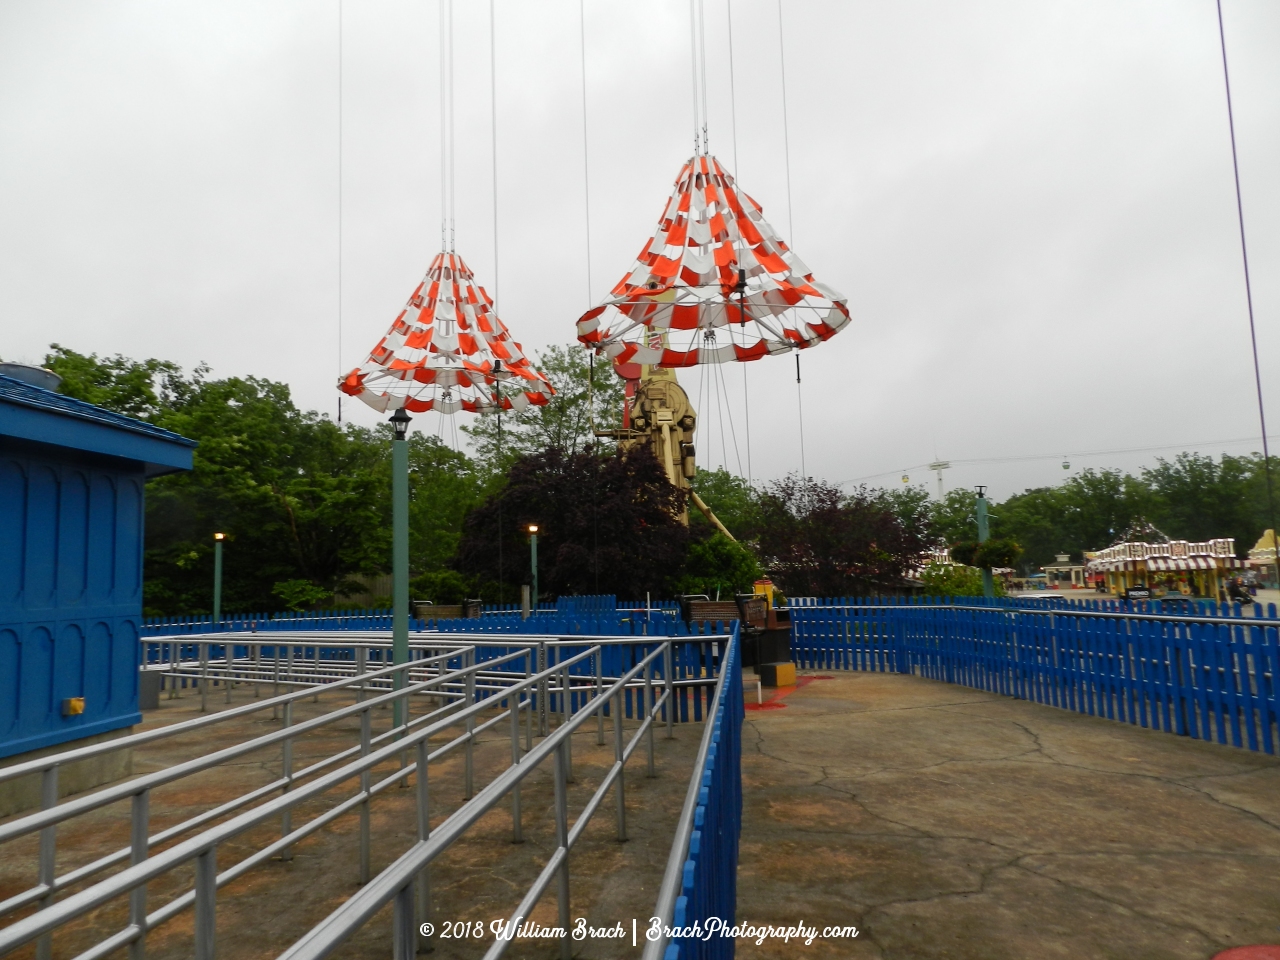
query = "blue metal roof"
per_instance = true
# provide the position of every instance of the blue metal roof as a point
(32, 413)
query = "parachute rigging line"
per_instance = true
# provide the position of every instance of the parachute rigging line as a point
(586, 211)
(733, 117)
(339, 204)
(786, 133)
(800, 412)
(493, 142)
(1248, 291)
(586, 168)
(447, 348)
(791, 229)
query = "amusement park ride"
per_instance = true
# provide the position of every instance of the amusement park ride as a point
(714, 284)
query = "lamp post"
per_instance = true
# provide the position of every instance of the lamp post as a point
(533, 563)
(980, 512)
(217, 578)
(400, 551)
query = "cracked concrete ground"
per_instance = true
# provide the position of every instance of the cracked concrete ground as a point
(948, 822)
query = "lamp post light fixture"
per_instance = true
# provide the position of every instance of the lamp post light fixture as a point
(217, 578)
(400, 551)
(533, 562)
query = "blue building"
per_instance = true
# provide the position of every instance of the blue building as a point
(72, 479)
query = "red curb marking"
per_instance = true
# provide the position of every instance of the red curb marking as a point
(773, 703)
(1259, 951)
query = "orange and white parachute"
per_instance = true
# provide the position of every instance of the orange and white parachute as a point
(714, 284)
(442, 351)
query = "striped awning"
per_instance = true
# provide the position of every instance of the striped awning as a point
(1165, 564)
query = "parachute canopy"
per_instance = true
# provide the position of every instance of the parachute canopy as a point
(714, 284)
(442, 350)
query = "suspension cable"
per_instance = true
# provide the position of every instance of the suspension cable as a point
(693, 63)
(340, 364)
(586, 169)
(786, 133)
(800, 411)
(591, 372)
(1248, 291)
(444, 130)
(733, 117)
(493, 142)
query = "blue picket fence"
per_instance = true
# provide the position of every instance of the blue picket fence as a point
(709, 887)
(1212, 680)
(378, 619)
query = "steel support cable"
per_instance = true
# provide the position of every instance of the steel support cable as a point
(340, 364)
(586, 209)
(1248, 290)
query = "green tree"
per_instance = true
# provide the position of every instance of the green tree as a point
(608, 523)
(139, 389)
(564, 422)
(717, 566)
(730, 498)
(951, 519)
(955, 580)
(1198, 498)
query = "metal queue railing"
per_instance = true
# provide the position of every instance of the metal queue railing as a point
(699, 886)
(527, 676)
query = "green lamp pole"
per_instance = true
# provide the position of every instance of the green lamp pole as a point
(984, 534)
(400, 551)
(533, 563)
(217, 578)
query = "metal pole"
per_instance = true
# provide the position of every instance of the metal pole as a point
(403, 936)
(599, 691)
(528, 724)
(365, 736)
(562, 841)
(648, 711)
(980, 512)
(286, 824)
(206, 904)
(204, 677)
(469, 778)
(48, 854)
(138, 852)
(400, 552)
(217, 579)
(424, 831)
(620, 791)
(517, 831)
(565, 711)
(533, 562)
(669, 679)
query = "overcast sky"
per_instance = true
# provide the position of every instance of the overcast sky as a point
(1029, 205)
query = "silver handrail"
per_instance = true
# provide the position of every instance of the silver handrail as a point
(664, 907)
(395, 883)
(41, 764)
(202, 848)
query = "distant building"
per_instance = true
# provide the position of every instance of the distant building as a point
(1063, 571)
(1262, 558)
(1146, 558)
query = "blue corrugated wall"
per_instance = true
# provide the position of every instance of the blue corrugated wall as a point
(70, 596)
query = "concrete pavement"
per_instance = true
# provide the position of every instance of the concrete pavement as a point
(948, 822)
